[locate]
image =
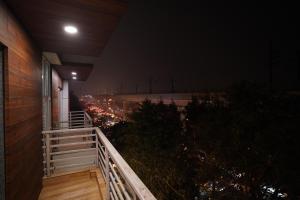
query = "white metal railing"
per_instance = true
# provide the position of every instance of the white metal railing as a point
(77, 119)
(73, 149)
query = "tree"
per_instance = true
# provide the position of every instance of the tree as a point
(243, 147)
(149, 144)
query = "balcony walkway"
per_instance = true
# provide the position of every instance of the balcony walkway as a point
(87, 185)
(104, 172)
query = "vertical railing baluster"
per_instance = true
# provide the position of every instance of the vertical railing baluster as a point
(48, 153)
(107, 173)
(134, 188)
(44, 156)
(70, 115)
(97, 150)
(84, 120)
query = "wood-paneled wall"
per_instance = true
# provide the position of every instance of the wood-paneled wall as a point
(56, 84)
(23, 110)
(2, 172)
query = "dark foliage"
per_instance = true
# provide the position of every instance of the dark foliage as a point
(244, 146)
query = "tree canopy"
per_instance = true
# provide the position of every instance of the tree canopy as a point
(244, 146)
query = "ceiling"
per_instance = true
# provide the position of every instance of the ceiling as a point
(44, 20)
(65, 71)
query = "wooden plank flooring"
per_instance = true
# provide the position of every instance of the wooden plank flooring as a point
(80, 186)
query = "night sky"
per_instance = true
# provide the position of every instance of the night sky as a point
(206, 46)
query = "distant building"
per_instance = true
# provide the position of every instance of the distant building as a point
(180, 99)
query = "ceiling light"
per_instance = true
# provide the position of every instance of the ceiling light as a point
(71, 29)
(74, 77)
(74, 73)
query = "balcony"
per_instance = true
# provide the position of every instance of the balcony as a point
(76, 119)
(73, 145)
(80, 156)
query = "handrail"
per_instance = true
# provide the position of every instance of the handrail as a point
(88, 116)
(68, 130)
(130, 176)
(121, 181)
(76, 119)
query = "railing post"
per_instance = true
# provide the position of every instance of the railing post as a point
(48, 153)
(107, 174)
(70, 115)
(84, 120)
(97, 150)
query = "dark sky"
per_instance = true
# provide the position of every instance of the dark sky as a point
(208, 45)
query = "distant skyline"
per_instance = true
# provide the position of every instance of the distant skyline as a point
(205, 46)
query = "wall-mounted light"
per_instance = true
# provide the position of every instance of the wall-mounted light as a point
(74, 73)
(71, 29)
(74, 77)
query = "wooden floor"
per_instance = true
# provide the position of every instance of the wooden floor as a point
(80, 186)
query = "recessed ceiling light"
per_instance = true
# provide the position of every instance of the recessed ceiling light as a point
(74, 77)
(71, 29)
(74, 73)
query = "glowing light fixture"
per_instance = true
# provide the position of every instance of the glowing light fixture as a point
(74, 73)
(74, 77)
(71, 29)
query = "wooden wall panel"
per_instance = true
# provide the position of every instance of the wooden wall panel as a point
(23, 110)
(56, 83)
(2, 172)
